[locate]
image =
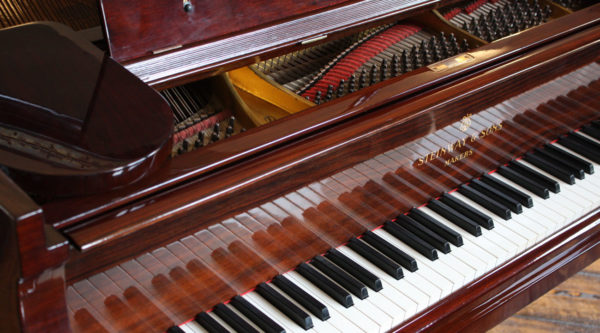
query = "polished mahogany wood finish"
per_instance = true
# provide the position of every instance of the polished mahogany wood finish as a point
(210, 198)
(284, 131)
(33, 259)
(216, 222)
(140, 28)
(75, 122)
(170, 54)
(323, 203)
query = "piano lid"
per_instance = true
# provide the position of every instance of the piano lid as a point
(197, 35)
(70, 116)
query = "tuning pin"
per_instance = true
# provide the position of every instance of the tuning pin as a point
(445, 50)
(199, 140)
(414, 58)
(546, 13)
(214, 137)
(373, 75)
(352, 84)
(394, 68)
(435, 56)
(340, 88)
(318, 97)
(231, 121)
(362, 81)
(465, 27)
(404, 64)
(384, 70)
(454, 44)
(493, 27)
(185, 145)
(423, 54)
(329, 94)
(432, 43)
(228, 131)
(473, 25)
(465, 45)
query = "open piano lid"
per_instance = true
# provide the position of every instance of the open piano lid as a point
(70, 117)
(161, 40)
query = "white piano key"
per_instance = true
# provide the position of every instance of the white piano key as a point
(319, 325)
(411, 291)
(192, 327)
(482, 246)
(277, 316)
(220, 321)
(351, 315)
(510, 231)
(567, 192)
(544, 207)
(437, 272)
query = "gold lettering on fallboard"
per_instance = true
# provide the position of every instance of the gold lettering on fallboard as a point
(454, 151)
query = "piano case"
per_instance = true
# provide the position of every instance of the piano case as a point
(429, 161)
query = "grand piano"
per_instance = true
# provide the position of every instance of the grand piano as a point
(317, 166)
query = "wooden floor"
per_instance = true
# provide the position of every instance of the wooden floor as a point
(573, 306)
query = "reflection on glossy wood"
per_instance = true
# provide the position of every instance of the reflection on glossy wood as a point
(273, 236)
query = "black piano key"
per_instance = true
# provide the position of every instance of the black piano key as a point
(232, 319)
(423, 233)
(356, 270)
(411, 240)
(342, 278)
(569, 158)
(508, 190)
(535, 176)
(391, 268)
(432, 224)
(591, 144)
(282, 304)
(255, 315)
(209, 323)
(455, 217)
(579, 148)
(175, 329)
(577, 171)
(550, 168)
(592, 131)
(391, 251)
(475, 215)
(302, 297)
(482, 199)
(531, 186)
(333, 290)
(496, 195)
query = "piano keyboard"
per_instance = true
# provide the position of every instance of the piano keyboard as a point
(378, 280)
(391, 272)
